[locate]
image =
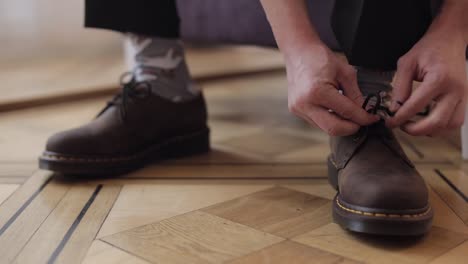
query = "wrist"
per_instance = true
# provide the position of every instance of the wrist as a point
(452, 22)
(293, 49)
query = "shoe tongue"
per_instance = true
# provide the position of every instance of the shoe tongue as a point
(378, 129)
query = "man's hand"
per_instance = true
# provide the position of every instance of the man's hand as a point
(438, 62)
(315, 75)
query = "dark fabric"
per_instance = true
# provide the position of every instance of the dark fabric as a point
(148, 17)
(243, 21)
(208, 21)
(375, 34)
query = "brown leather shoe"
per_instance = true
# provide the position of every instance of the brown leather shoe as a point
(135, 128)
(379, 190)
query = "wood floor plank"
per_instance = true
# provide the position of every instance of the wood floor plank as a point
(48, 237)
(75, 250)
(21, 196)
(6, 190)
(458, 178)
(29, 220)
(453, 199)
(278, 211)
(66, 77)
(103, 253)
(196, 237)
(253, 171)
(454, 256)
(293, 253)
(139, 205)
(371, 249)
(321, 188)
(444, 216)
(269, 143)
(428, 149)
(17, 169)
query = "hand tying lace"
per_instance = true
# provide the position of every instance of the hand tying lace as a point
(131, 89)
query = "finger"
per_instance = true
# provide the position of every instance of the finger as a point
(420, 98)
(329, 122)
(458, 117)
(402, 84)
(346, 108)
(348, 82)
(436, 122)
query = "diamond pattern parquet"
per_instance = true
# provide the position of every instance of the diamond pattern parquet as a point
(260, 196)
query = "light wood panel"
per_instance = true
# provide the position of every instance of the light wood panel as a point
(275, 170)
(84, 234)
(103, 253)
(454, 256)
(445, 217)
(6, 190)
(290, 213)
(16, 235)
(370, 249)
(67, 78)
(22, 196)
(442, 186)
(291, 252)
(195, 237)
(143, 204)
(458, 178)
(48, 237)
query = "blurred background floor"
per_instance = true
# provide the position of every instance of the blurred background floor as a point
(260, 196)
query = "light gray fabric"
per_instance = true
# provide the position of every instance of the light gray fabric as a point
(161, 63)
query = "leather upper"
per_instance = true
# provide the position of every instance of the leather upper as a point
(147, 121)
(374, 172)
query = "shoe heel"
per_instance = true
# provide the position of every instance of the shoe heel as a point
(191, 145)
(332, 174)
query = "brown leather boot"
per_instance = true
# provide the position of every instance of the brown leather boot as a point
(379, 189)
(135, 128)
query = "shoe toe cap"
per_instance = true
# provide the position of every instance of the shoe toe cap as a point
(70, 142)
(404, 193)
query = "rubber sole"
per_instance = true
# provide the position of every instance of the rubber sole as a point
(176, 147)
(376, 221)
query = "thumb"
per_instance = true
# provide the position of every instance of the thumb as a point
(402, 83)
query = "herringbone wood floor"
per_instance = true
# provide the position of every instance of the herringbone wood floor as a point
(260, 196)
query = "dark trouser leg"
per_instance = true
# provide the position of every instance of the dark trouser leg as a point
(375, 34)
(157, 18)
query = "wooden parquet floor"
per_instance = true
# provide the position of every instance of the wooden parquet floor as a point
(260, 196)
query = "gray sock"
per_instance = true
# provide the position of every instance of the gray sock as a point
(161, 62)
(372, 82)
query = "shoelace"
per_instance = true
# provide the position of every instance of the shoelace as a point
(376, 104)
(131, 89)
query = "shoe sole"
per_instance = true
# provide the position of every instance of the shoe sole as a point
(176, 147)
(375, 221)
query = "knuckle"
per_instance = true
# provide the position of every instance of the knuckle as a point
(295, 107)
(403, 62)
(332, 130)
(456, 122)
(438, 122)
(418, 133)
(292, 108)
(315, 93)
(350, 73)
(347, 113)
